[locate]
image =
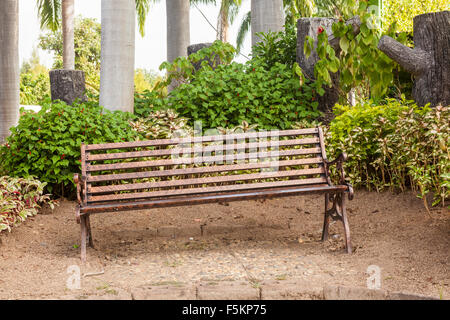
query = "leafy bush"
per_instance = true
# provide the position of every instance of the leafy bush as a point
(229, 93)
(47, 144)
(20, 198)
(148, 101)
(396, 145)
(361, 65)
(236, 92)
(278, 47)
(161, 124)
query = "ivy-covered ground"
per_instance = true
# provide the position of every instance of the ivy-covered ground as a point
(244, 243)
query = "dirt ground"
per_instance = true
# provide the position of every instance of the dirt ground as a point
(250, 241)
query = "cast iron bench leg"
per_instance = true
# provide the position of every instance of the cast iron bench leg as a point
(89, 232)
(338, 212)
(326, 218)
(348, 243)
(83, 238)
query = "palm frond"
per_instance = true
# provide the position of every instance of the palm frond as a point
(142, 8)
(243, 30)
(49, 14)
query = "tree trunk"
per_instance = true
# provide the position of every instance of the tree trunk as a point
(117, 55)
(178, 33)
(68, 34)
(266, 15)
(195, 48)
(9, 66)
(309, 27)
(429, 61)
(67, 85)
(222, 21)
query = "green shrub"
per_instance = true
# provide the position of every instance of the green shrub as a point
(248, 92)
(396, 145)
(226, 94)
(161, 124)
(278, 47)
(47, 144)
(147, 102)
(20, 198)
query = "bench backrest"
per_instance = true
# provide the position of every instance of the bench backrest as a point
(202, 165)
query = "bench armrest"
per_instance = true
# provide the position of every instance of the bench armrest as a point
(76, 179)
(339, 162)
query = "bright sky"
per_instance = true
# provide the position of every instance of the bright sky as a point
(151, 50)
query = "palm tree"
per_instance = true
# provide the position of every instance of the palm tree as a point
(178, 24)
(178, 34)
(9, 66)
(117, 55)
(51, 13)
(68, 34)
(228, 12)
(266, 15)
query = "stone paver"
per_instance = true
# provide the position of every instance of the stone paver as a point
(228, 291)
(352, 293)
(290, 290)
(164, 292)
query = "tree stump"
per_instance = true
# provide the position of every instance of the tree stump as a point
(309, 27)
(67, 85)
(429, 61)
(194, 48)
(197, 47)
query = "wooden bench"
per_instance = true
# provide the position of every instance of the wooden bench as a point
(197, 170)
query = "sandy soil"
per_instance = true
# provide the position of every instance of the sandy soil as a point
(253, 241)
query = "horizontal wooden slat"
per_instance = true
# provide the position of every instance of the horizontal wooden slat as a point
(166, 142)
(200, 170)
(179, 192)
(211, 160)
(196, 200)
(206, 180)
(204, 150)
(203, 169)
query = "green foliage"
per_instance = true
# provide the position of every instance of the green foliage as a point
(183, 69)
(49, 13)
(20, 198)
(47, 144)
(148, 101)
(147, 80)
(34, 89)
(87, 36)
(403, 11)
(396, 145)
(278, 47)
(162, 124)
(226, 94)
(360, 63)
(34, 81)
(230, 94)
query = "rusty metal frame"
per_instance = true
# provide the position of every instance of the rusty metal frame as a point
(338, 210)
